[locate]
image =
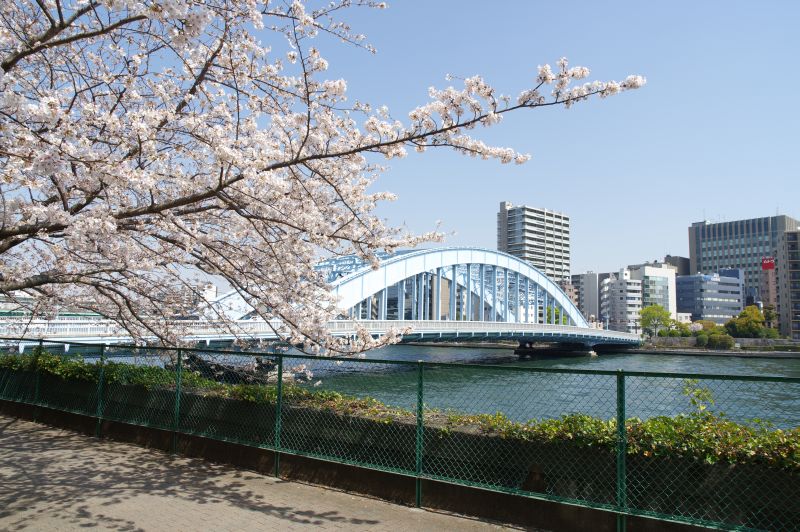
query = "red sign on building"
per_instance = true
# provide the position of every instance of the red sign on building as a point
(767, 263)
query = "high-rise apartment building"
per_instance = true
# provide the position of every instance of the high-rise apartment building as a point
(738, 244)
(538, 236)
(787, 267)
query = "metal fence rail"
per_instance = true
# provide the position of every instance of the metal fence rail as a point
(671, 446)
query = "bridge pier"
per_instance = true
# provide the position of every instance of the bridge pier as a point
(531, 349)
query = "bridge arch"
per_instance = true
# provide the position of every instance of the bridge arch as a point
(454, 283)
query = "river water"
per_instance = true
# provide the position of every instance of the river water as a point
(498, 385)
(498, 381)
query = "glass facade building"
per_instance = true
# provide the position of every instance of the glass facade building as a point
(738, 244)
(717, 297)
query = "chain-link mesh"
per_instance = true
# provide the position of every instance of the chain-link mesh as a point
(230, 397)
(353, 411)
(710, 450)
(717, 451)
(487, 435)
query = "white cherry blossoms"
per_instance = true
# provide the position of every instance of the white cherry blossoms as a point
(147, 141)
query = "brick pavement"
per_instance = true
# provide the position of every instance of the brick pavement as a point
(52, 479)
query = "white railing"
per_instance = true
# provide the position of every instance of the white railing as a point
(75, 329)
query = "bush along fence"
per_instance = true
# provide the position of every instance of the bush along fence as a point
(711, 450)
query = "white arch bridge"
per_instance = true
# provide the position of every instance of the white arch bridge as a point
(443, 294)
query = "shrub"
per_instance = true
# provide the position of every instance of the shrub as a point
(674, 333)
(721, 341)
(702, 340)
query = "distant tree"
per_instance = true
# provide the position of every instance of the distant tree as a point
(681, 328)
(654, 318)
(559, 318)
(749, 324)
(770, 316)
(707, 325)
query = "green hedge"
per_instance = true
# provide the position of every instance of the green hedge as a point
(702, 435)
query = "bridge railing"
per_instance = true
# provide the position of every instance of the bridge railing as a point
(712, 450)
(258, 328)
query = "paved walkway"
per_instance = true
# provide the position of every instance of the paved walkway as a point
(52, 479)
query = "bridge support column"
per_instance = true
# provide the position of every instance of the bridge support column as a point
(527, 300)
(468, 292)
(517, 299)
(505, 295)
(438, 305)
(401, 300)
(453, 292)
(421, 297)
(482, 274)
(493, 285)
(414, 297)
(383, 305)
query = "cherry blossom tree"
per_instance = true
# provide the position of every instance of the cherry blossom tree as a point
(143, 140)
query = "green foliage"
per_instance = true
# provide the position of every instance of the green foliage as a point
(559, 318)
(654, 318)
(702, 340)
(721, 341)
(701, 435)
(749, 324)
(682, 329)
(708, 325)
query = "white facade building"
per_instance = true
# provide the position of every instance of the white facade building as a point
(621, 302)
(658, 285)
(537, 236)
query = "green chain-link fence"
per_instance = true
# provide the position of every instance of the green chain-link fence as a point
(718, 451)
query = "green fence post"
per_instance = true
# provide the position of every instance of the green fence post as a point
(278, 417)
(622, 444)
(176, 421)
(36, 384)
(420, 435)
(100, 383)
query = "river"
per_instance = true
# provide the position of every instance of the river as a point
(521, 395)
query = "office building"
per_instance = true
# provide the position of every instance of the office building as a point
(658, 285)
(538, 236)
(738, 244)
(787, 267)
(717, 297)
(621, 302)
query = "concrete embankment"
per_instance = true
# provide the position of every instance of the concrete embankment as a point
(714, 353)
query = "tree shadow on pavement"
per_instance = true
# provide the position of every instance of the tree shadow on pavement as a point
(52, 474)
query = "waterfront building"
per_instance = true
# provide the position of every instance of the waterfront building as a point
(538, 236)
(787, 264)
(737, 244)
(621, 302)
(717, 297)
(587, 286)
(658, 285)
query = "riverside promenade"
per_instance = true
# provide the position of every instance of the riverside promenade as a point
(53, 479)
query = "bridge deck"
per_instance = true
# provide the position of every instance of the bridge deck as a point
(102, 331)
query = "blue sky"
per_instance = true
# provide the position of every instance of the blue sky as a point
(714, 134)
